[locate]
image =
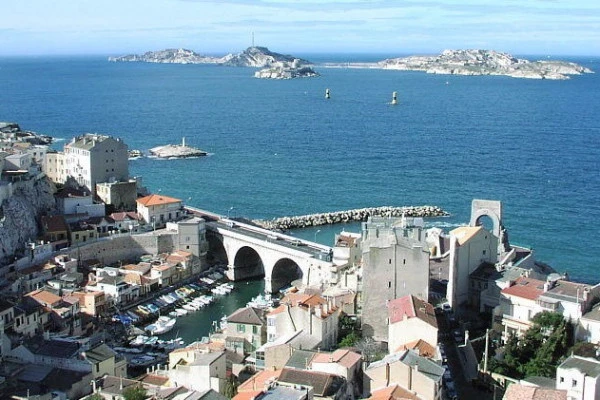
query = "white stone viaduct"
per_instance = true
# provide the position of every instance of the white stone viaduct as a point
(253, 251)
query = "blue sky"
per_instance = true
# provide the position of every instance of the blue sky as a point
(537, 27)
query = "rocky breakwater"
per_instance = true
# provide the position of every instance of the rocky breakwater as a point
(361, 214)
(485, 62)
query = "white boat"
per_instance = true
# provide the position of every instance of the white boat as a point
(139, 340)
(162, 325)
(190, 307)
(181, 311)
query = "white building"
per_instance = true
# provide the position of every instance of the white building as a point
(197, 369)
(580, 377)
(158, 209)
(411, 319)
(93, 158)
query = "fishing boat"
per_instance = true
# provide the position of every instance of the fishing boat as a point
(162, 325)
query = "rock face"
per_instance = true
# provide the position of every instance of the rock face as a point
(260, 57)
(168, 56)
(484, 62)
(19, 215)
(285, 72)
(10, 131)
(257, 57)
(337, 217)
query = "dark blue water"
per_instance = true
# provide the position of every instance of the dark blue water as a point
(279, 148)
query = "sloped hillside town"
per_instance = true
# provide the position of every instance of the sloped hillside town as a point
(96, 270)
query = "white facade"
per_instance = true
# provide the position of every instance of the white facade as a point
(201, 371)
(17, 162)
(579, 376)
(93, 158)
(470, 246)
(158, 210)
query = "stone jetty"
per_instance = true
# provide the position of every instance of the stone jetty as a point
(362, 214)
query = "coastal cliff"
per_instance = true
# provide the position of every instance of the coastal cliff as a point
(19, 214)
(168, 56)
(484, 62)
(282, 71)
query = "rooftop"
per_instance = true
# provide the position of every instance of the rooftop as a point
(346, 358)
(394, 392)
(587, 366)
(322, 383)
(258, 380)
(87, 141)
(517, 391)
(411, 307)
(526, 288)
(156, 199)
(465, 233)
(567, 291)
(247, 315)
(421, 347)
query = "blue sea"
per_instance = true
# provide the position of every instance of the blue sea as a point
(280, 148)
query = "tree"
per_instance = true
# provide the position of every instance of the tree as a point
(136, 392)
(539, 351)
(350, 340)
(231, 386)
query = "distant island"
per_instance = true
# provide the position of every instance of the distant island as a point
(275, 65)
(450, 62)
(484, 62)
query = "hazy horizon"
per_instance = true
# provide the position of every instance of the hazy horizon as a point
(558, 28)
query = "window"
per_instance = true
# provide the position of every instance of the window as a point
(574, 382)
(390, 261)
(254, 329)
(241, 328)
(562, 379)
(389, 284)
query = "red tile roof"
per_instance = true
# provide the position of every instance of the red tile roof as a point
(411, 307)
(344, 357)
(258, 380)
(526, 288)
(393, 393)
(521, 392)
(422, 347)
(156, 199)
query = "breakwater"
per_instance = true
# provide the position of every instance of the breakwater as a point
(361, 214)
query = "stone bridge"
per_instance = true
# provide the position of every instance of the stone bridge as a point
(250, 251)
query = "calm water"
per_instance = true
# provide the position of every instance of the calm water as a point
(279, 148)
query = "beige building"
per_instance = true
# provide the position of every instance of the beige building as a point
(120, 194)
(407, 369)
(198, 369)
(91, 303)
(470, 246)
(157, 209)
(411, 319)
(246, 330)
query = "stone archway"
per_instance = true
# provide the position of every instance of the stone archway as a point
(487, 208)
(248, 264)
(284, 272)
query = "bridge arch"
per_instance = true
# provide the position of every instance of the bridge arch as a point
(217, 254)
(492, 209)
(284, 272)
(248, 263)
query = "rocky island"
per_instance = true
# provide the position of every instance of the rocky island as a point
(484, 62)
(276, 65)
(172, 151)
(12, 132)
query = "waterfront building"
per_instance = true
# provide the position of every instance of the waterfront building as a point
(93, 158)
(156, 210)
(395, 264)
(312, 314)
(246, 330)
(407, 369)
(91, 303)
(116, 290)
(54, 166)
(580, 377)
(526, 297)
(470, 247)
(411, 319)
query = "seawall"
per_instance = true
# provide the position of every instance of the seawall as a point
(361, 214)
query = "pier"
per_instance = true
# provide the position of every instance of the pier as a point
(357, 215)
